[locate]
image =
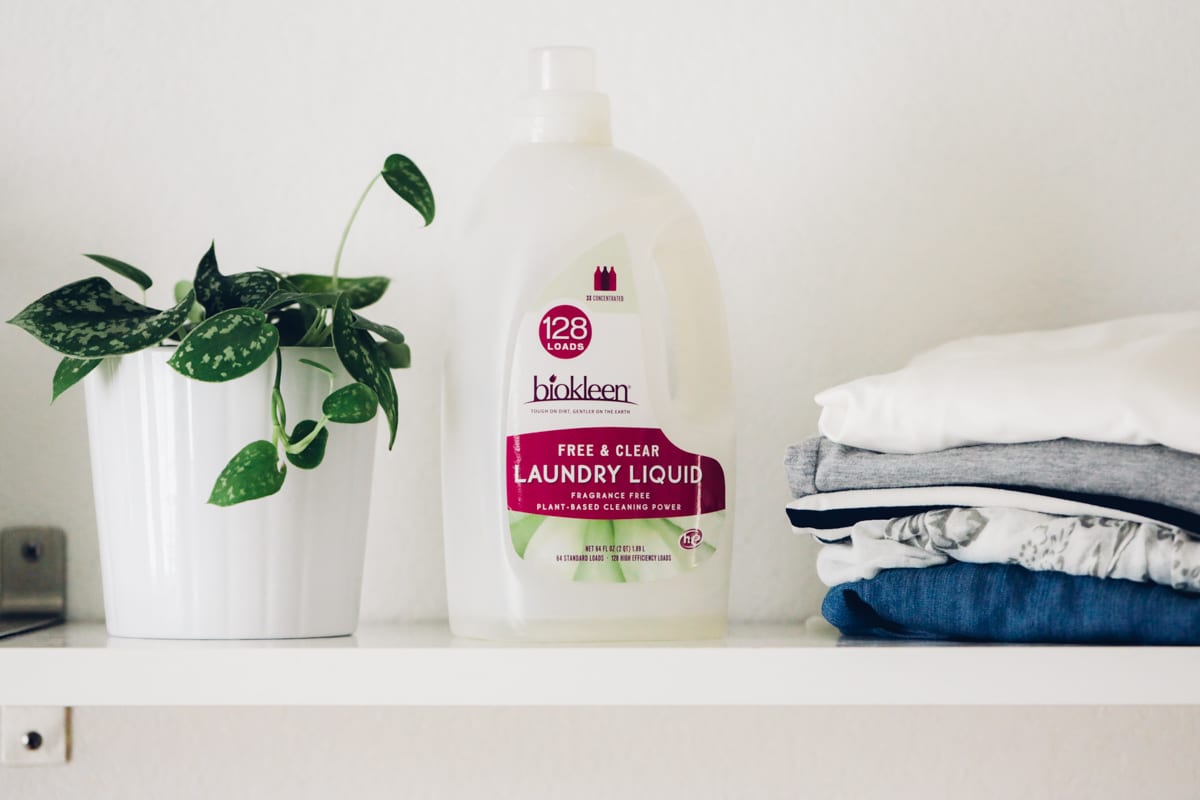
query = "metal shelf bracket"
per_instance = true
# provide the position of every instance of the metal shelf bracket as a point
(33, 579)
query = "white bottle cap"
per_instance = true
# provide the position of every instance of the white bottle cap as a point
(564, 105)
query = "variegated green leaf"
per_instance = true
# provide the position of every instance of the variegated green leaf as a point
(253, 473)
(283, 297)
(208, 282)
(91, 319)
(360, 356)
(361, 291)
(217, 292)
(385, 331)
(351, 404)
(231, 344)
(407, 180)
(124, 270)
(312, 455)
(70, 372)
(396, 356)
(197, 311)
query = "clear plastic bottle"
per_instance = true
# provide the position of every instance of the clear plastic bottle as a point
(588, 442)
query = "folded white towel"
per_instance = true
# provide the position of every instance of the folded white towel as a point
(1128, 381)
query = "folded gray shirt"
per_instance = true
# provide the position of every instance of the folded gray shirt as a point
(1148, 473)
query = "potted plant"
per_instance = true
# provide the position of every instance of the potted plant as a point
(207, 422)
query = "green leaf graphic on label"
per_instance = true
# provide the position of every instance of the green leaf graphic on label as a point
(312, 455)
(360, 356)
(253, 473)
(557, 536)
(407, 180)
(599, 535)
(91, 319)
(231, 344)
(124, 270)
(523, 527)
(605, 551)
(351, 404)
(659, 538)
(70, 372)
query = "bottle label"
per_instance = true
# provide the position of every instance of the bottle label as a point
(596, 490)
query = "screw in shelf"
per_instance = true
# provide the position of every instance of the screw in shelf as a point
(34, 736)
(31, 551)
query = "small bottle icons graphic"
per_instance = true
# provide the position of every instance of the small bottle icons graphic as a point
(604, 279)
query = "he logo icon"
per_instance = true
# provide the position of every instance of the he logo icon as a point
(604, 279)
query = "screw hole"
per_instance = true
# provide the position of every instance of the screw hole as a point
(31, 551)
(32, 740)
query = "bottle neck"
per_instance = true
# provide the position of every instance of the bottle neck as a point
(564, 117)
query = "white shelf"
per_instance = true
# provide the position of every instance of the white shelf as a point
(398, 665)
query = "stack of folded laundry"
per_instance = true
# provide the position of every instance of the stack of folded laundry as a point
(1032, 487)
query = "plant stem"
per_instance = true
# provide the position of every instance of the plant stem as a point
(278, 413)
(315, 335)
(337, 261)
(302, 445)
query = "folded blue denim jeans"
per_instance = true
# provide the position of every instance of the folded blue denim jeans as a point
(1008, 603)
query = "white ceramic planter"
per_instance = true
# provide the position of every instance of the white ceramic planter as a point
(289, 565)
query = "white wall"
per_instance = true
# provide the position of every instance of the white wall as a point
(874, 177)
(628, 753)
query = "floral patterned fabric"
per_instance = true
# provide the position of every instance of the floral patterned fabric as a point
(1081, 545)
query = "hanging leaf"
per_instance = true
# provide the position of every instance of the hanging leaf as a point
(124, 270)
(253, 473)
(70, 372)
(312, 455)
(407, 180)
(385, 331)
(217, 292)
(351, 404)
(91, 319)
(396, 356)
(360, 356)
(231, 344)
(361, 291)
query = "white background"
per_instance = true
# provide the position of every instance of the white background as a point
(874, 178)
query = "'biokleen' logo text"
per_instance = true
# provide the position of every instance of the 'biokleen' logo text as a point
(576, 390)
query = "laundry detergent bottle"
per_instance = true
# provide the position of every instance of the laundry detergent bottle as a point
(588, 441)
